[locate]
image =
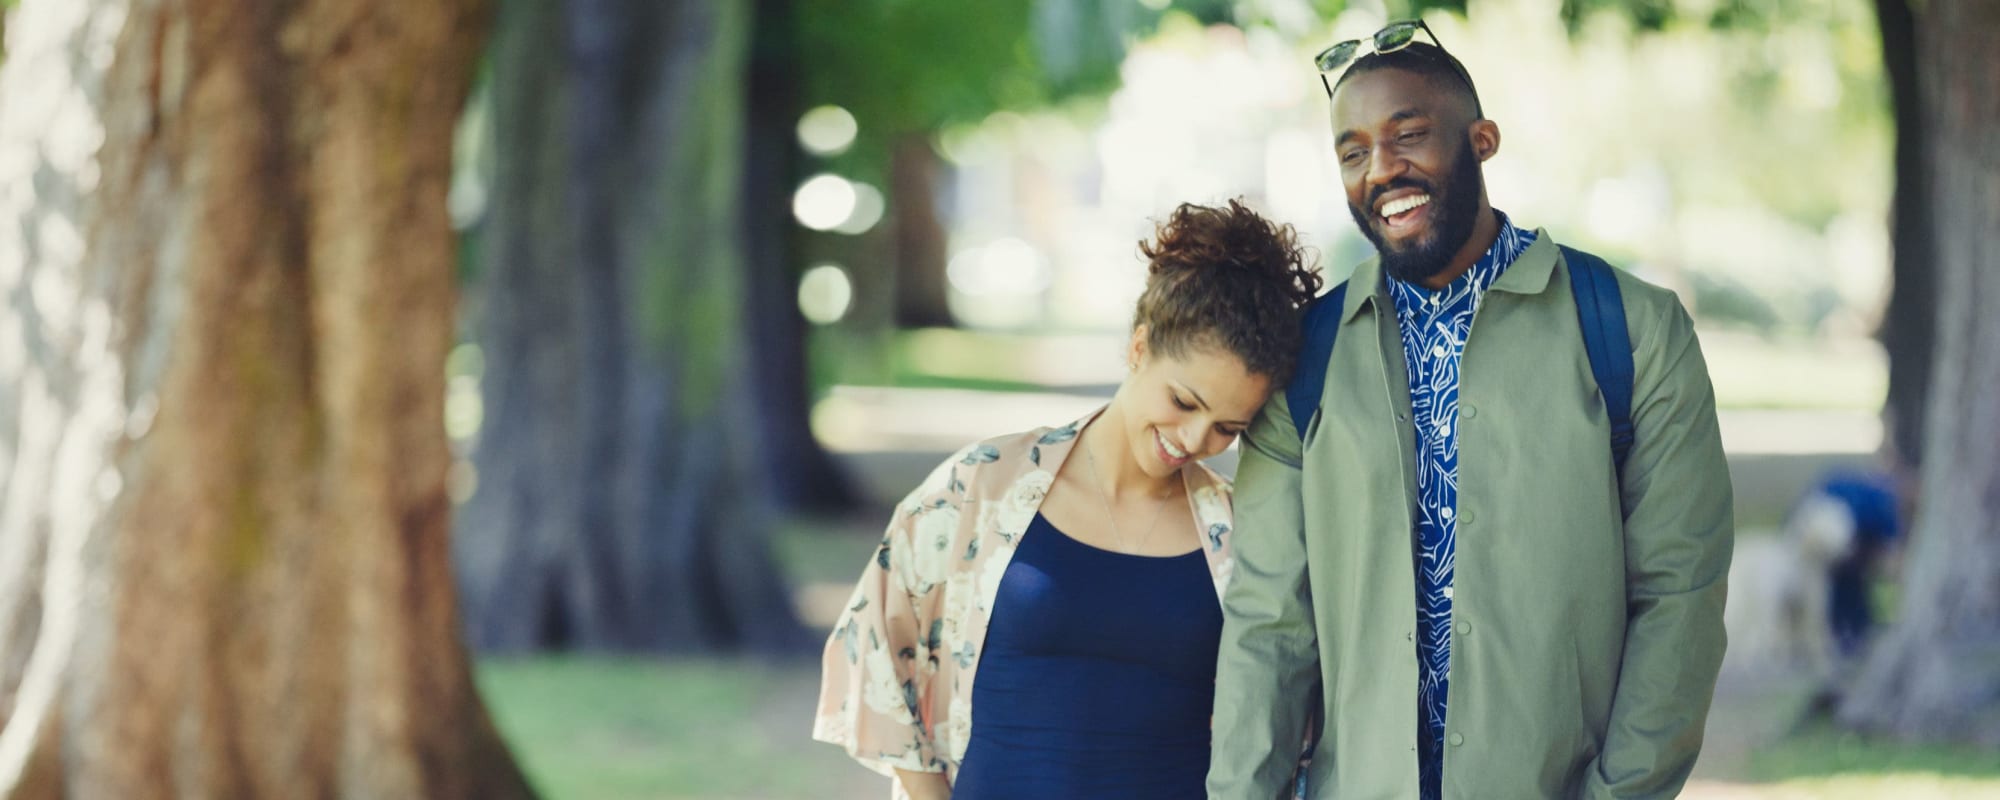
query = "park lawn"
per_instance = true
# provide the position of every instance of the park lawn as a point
(628, 728)
(1821, 750)
(620, 728)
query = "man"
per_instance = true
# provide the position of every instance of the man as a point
(1450, 550)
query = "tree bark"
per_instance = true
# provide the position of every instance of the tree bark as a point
(1936, 673)
(616, 508)
(229, 276)
(1908, 330)
(801, 474)
(921, 299)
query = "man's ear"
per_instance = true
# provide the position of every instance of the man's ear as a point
(1485, 136)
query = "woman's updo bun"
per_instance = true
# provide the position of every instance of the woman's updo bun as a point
(1226, 277)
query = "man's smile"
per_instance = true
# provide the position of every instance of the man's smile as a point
(1403, 215)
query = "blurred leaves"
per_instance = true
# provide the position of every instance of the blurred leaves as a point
(903, 66)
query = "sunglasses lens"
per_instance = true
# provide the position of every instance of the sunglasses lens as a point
(1337, 56)
(1395, 37)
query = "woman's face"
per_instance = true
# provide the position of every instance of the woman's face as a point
(1186, 408)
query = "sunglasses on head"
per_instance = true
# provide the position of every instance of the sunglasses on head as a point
(1392, 37)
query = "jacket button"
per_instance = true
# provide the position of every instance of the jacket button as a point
(1466, 517)
(1464, 628)
(1455, 740)
(1468, 411)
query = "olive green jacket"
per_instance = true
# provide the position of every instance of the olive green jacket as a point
(1584, 652)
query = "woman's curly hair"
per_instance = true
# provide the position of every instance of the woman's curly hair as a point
(1227, 278)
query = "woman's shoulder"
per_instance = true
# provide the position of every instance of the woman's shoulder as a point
(1201, 475)
(998, 461)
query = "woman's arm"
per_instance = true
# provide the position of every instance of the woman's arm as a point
(924, 785)
(875, 678)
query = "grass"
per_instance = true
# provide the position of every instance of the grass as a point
(1822, 750)
(604, 728)
(607, 728)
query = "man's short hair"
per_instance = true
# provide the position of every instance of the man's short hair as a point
(1425, 59)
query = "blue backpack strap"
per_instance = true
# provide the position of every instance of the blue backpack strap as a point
(1601, 311)
(1318, 329)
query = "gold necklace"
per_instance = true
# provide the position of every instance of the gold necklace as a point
(1105, 495)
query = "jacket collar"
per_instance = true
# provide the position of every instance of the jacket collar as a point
(1529, 274)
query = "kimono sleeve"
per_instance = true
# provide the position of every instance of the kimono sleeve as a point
(876, 670)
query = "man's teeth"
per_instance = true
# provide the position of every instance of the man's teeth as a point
(1394, 207)
(1176, 452)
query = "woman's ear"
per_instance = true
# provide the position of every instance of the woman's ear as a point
(1135, 353)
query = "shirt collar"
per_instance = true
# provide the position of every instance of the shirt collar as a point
(1530, 273)
(1507, 247)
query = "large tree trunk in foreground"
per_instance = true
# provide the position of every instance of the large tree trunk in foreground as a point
(1936, 672)
(614, 508)
(228, 273)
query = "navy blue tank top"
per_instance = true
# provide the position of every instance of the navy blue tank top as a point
(1098, 679)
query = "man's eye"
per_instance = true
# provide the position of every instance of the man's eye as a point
(1351, 157)
(1181, 405)
(1412, 136)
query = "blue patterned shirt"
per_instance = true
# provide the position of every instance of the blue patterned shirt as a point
(1434, 325)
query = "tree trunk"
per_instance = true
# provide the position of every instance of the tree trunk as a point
(920, 238)
(1908, 327)
(799, 472)
(615, 508)
(1936, 673)
(222, 463)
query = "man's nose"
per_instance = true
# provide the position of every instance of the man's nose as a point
(1384, 165)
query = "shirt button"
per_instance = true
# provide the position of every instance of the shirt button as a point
(1468, 411)
(1464, 628)
(1447, 593)
(1455, 740)
(1437, 351)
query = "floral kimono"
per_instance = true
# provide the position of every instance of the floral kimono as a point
(896, 690)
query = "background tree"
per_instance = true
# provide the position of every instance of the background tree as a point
(645, 388)
(615, 506)
(907, 70)
(799, 473)
(1933, 674)
(224, 566)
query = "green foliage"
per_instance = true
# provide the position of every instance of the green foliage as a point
(915, 66)
(1646, 15)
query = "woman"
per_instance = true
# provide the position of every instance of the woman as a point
(1076, 570)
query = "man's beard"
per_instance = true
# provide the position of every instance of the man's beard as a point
(1457, 211)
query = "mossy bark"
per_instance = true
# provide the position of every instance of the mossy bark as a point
(617, 507)
(224, 454)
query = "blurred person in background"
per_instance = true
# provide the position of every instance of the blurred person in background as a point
(1868, 512)
(1559, 584)
(1077, 570)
